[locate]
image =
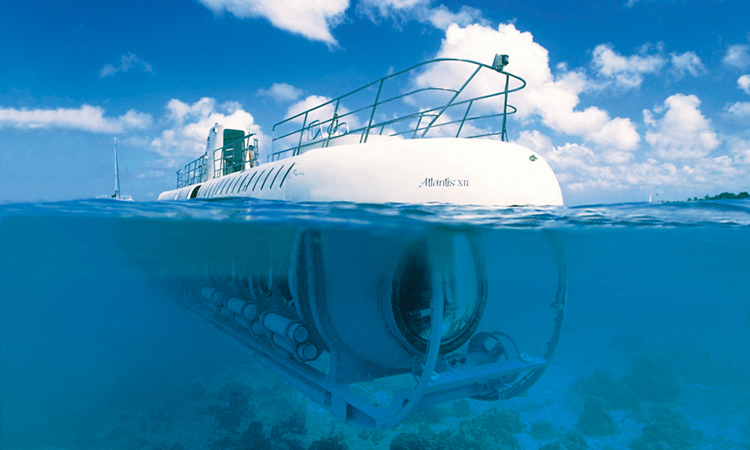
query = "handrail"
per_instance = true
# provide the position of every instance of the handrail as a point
(375, 121)
(228, 159)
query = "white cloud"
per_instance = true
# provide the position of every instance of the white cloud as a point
(151, 173)
(441, 17)
(743, 83)
(312, 19)
(687, 62)
(581, 171)
(740, 110)
(586, 173)
(682, 132)
(625, 72)
(86, 118)
(553, 98)
(421, 10)
(281, 92)
(738, 56)
(536, 141)
(741, 151)
(323, 114)
(126, 62)
(189, 125)
(309, 102)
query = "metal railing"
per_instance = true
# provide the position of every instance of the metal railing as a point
(233, 157)
(380, 108)
(194, 172)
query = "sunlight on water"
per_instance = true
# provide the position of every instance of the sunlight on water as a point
(655, 351)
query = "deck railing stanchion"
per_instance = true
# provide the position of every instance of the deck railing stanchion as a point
(363, 139)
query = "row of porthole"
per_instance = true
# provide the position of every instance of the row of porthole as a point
(235, 185)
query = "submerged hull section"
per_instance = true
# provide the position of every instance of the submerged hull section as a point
(389, 170)
(339, 311)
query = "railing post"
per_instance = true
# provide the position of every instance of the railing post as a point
(363, 139)
(464, 119)
(301, 134)
(333, 122)
(458, 92)
(503, 135)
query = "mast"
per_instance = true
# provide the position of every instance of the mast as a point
(116, 195)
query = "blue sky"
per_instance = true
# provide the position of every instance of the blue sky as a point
(625, 98)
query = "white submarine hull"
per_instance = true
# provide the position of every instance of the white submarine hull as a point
(459, 171)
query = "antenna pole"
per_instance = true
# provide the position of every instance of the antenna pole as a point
(117, 175)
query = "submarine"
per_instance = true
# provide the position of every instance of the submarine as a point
(369, 323)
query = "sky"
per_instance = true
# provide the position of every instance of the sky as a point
(626, 99)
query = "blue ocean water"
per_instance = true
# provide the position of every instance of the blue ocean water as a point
(655, 351)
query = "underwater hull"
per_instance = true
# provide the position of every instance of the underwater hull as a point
(441, 170)
(330, 308)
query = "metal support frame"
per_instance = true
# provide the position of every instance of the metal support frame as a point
(435, 383)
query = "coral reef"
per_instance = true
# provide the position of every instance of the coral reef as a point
(603, 384)
(667, 430)
(542, 430)
(499, 425)
(295, 424)
(570, 441)
(495, 428)
(329, 443)
(595, 420)
(285, 435)
(232, 407)
(574, 441)
(461, 408)
(410, 441)
(450, 440)
(654, 378)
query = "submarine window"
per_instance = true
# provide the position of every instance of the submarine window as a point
(275, 176)
(220, 187)
(211, 190)
(462, 283)
(236, 183)
(239, 185)
(244, 188)
(266, 179)
(286, 175)
(232, 182)
(256, 181)
(216, 188)
(228, 185)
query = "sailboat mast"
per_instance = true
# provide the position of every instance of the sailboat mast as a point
(117, 175)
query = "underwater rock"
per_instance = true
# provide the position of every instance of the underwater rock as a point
(430, 415)
(570, 441)
(654, 378)
(452, 440)
(667, 430)
(295, 424)
(574, 441)
(253, 438)
(595, 420)
(233, 406)
(409, 441)
(461, 408)
(552, 446)
(603, 384)
(329, 443)
(542, 430)
(498, 425)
